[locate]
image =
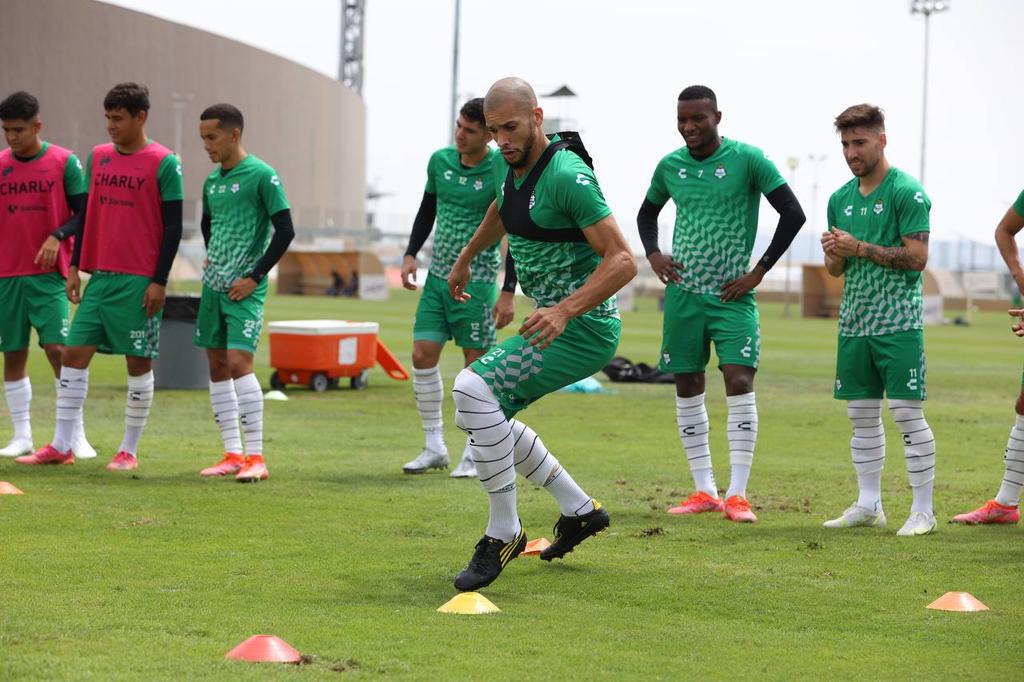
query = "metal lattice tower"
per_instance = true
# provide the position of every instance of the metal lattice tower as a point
(350, 63)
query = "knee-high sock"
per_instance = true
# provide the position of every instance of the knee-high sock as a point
(478, 413)
(225, 414)
(1013, 478)
(539, 466)
(136, 411)
(692, 419)
(742, 436)
(867, 448)
(19, 404)
(79, 432)
(250, 409)
(429, 391)
(71, 391)
(919, 450)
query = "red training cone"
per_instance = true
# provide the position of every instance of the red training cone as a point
(8, 489)
(957, 601)
(265, 649)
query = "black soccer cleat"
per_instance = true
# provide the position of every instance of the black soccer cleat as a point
(491, 555)
(572, 530)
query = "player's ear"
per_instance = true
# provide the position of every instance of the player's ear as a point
(883, 140)
(538, 116)
(718, 117)
(142, 116)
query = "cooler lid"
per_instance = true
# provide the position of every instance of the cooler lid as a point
(323, 327)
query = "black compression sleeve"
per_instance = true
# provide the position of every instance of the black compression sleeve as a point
(423, 224)
(791, 219)
(511, 280)
(647, 224)
(204, 227)
(77, 204)
(171, 211)
(284, 232)
(76, 251)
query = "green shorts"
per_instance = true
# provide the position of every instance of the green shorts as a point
(227, 324)
(440, 317)
(694, 321)
(32, 301)
(893, 364)
(111, 317)
(519, 374)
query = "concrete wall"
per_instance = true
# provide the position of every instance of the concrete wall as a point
(311, 128)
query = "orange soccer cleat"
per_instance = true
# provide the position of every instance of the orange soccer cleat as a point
(123, 461)
(738, 509)
(254, 469)
(697, 503)
(231, 463)
(990, 512)
(47, 455)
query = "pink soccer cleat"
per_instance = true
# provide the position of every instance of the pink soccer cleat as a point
(697, 503)
(253, 470)
(230, 464)
(47, 455)
(991, 512)
(738, 509)
(123, 461)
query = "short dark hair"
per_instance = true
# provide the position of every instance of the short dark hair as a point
(19, 105)
(228, 115)
(694, 92)
(861, 116)
(473, 110)
(131, 97)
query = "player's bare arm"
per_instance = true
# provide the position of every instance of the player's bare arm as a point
(489, 233)
(1006, 232)
(913, 255)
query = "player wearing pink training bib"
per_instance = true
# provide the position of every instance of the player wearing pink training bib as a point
(41, 186)
(127, 238)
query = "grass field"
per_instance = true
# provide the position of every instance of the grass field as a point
(156, 575)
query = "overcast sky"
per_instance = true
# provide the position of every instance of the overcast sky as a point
(782, 70)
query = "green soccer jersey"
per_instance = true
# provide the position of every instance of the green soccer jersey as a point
(1018, 205)
(879, 300)
(566, 195)
(239, 202)
(717, 202)
(463, 195)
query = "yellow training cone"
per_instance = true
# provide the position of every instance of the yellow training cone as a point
(957, 601)
(535, 547)
(469, 603)
(8, 489)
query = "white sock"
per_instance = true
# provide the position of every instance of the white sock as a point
(867, 449)
(429, 391)
(536, 463)
(918, 449)
(72, 387)
(19, 404)
(1013, 478)
(250, 409)
(225, 414)
(692, 419)
(742, 436)
(478, 413)
(136, 411)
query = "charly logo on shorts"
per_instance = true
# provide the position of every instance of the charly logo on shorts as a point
(514, 368)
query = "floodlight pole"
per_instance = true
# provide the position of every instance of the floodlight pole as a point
(927, 8)
(455, 71)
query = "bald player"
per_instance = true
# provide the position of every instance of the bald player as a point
(571, 258)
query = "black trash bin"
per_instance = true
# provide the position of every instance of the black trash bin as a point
(181, 363)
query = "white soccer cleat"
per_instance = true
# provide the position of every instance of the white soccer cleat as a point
(919, 523)
(17, 447)
(858, 516)
(428, 459)
(80, 446)
(466, 468)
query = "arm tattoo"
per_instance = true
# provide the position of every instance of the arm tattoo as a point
(896, 257)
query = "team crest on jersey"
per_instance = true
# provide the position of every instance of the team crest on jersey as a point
(235, 187)
(105, 160)
(478, 185)
(533, 200)
(879, 207)
(8, 171)
(720, 171)
(848, 211)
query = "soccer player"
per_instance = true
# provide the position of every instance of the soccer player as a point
(127, 237)
(460, 187)
(878, 240)
(571, 258)
(241, 200)
(41, 186)
(716, 184)
(1004, 508)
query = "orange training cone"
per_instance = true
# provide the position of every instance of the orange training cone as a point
(265, 649)
(535, 547)
(957, 601)
(8, 489)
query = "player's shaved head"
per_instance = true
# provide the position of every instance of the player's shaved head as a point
(511, 91)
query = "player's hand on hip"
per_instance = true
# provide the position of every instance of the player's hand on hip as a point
(665, 268)
(736, 288)
(457, 280)
(543, 326)
(241, 288)
(409, 266)
(504, 309)
(153, 299)
(47, 255)
(73, 285)
(1018, 326)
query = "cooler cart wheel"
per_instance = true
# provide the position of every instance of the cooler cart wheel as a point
(319, 382)
(275, 382)
(360, 382)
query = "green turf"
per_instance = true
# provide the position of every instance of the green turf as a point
(156, 575)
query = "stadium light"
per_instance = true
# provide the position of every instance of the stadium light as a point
(793, 162)
(927, 8)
